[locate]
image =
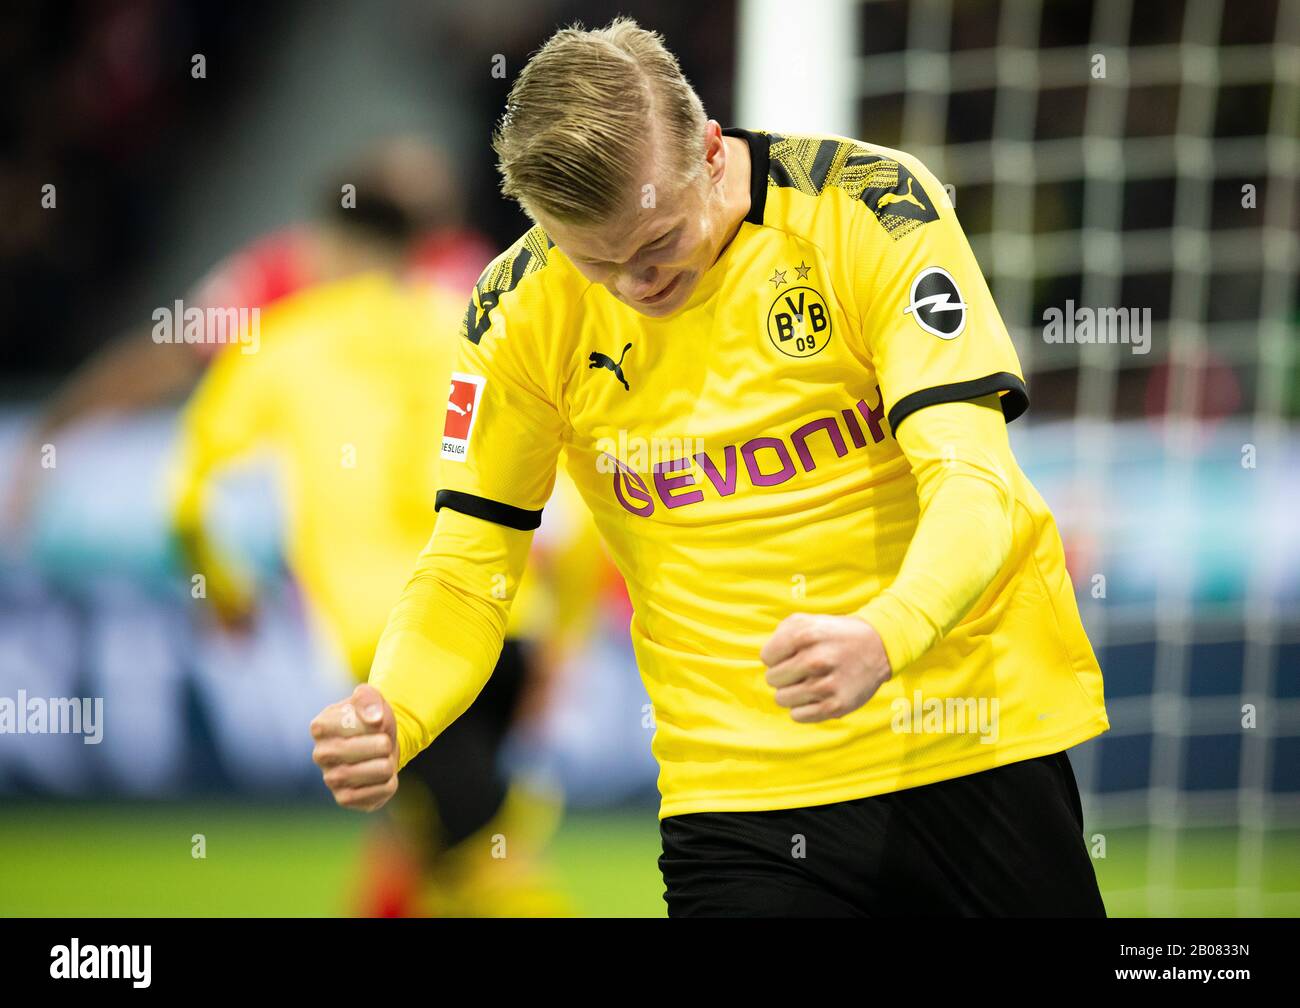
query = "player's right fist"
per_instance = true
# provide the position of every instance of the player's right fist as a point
(356, 749)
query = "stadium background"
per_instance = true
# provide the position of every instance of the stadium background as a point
(1122, 190)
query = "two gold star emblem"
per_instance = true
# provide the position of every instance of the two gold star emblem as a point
(778, 276)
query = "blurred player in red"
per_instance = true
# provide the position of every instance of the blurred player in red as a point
(135, 373)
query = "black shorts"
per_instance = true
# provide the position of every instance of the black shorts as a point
(1003, 842)
(459, 770)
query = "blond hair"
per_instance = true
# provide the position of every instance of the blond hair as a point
(579, 118)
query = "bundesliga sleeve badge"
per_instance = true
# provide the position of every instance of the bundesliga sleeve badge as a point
(462, 407)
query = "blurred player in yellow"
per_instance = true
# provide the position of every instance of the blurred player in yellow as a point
(136, 372)
(347, 392)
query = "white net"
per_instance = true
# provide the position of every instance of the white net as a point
(1144, 155)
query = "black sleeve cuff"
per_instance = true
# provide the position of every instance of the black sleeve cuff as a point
(1015, 397)
(488, 510)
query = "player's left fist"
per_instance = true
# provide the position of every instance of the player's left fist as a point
(824, 667)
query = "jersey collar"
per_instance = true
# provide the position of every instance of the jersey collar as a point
(760, 147)
(759, 144)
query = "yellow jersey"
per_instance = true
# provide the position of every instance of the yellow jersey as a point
(346, 395)
(739, 459)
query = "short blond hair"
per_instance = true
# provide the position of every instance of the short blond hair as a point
(578, 121)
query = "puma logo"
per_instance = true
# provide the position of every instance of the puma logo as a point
(889, 198)
(600, 360)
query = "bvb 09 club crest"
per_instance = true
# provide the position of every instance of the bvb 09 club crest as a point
(799, 323)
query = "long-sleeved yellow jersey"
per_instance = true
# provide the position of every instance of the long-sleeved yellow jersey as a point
(742, 463)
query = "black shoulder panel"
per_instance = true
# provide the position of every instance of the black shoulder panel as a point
(503, 274)
(889, 190)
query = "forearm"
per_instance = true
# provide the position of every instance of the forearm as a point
(444, 636)
(130, 373)
(222, 423)
(226, 587)
(963, 467)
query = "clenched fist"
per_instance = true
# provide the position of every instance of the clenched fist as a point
(356, 749)
(824, 666)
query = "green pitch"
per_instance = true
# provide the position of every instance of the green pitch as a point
(301, 860)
